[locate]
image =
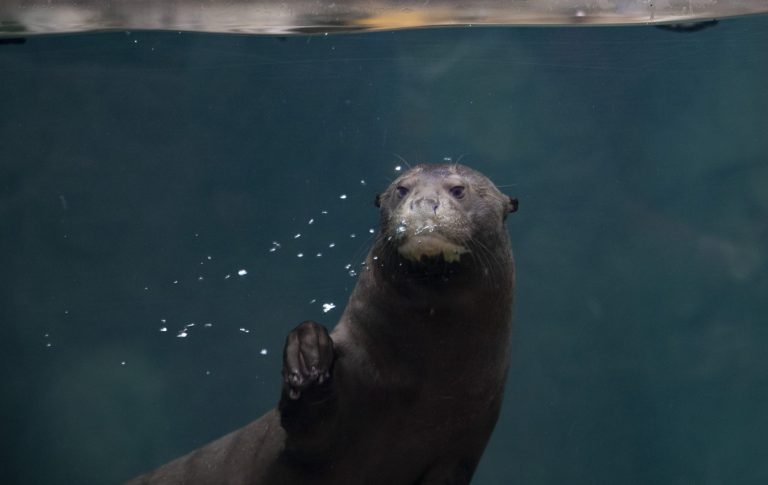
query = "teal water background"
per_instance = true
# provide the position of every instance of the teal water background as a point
(139, 172)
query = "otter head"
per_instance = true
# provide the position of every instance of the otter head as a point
(443, 212)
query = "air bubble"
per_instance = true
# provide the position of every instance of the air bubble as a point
(328, 307)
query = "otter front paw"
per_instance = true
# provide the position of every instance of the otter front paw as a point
(307, 358)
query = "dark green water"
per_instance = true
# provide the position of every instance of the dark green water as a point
(139, 170)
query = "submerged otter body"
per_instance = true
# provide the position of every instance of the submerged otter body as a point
(407, 388)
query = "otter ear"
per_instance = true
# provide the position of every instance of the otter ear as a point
(377, 201)
(511, 205)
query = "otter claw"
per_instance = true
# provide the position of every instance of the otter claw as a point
(307, 358)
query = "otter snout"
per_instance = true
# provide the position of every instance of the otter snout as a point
(427, 205)
(427, 224)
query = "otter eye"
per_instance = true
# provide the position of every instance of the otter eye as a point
(401, 191)
(457, 191)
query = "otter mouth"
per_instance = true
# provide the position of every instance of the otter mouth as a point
(430, 246)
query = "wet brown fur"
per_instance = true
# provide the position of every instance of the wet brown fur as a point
(408, 386)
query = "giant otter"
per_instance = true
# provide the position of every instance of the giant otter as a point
(407, 387)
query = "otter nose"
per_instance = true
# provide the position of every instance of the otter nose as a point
(425, 204)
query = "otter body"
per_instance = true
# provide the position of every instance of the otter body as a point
(408, 387)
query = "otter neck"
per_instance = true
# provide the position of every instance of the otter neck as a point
(426, 325)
